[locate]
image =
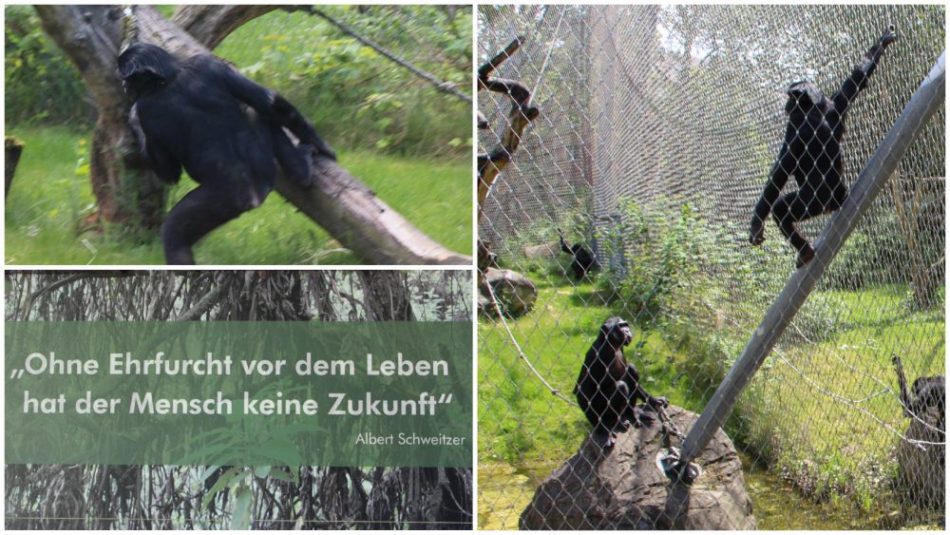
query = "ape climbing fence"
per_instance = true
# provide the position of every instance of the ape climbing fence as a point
(657, 130)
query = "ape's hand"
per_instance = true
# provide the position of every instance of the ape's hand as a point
(889, 36)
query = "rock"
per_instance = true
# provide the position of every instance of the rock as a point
(515, 293)
(623, 488)
(921, 469)
(545, 251)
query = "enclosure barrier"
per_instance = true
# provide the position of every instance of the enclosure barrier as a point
(658, 126)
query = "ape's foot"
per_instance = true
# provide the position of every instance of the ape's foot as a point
(756, 233)
(179, 257)
(644, 415)
(606, 437)
(805, 256)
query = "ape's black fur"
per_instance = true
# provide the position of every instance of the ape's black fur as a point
(812, 153)
(929, 392)
(583, 260)
(608, 387)
(225, 130)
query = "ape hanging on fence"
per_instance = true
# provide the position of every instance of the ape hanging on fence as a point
(608, 387)
(812, 153)
(225, 130)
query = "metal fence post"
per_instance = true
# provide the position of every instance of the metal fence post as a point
(925, 101)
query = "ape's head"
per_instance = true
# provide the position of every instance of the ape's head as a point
(803, 96)
(144, 68)
(617, 332)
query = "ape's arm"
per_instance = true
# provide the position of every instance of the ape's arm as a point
(862, 72)
(166, 166)
(784, 166)
(269, 104)
(902, 383)
(564, 246)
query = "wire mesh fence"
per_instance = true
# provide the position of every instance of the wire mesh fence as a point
(659, 127)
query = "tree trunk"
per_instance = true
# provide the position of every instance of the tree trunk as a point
(126, 192)
(13, 149)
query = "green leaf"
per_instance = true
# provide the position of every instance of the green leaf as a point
(262, 471)
(241, 516)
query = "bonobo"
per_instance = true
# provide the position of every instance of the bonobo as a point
(608, 387)
(812, 153)
(583, 260)
(225, 130)
(929, 392)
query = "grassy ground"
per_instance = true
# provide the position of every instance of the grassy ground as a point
(845, 441)
(51, 195)
(832, 405)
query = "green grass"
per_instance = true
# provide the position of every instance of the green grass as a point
(51, 196)
(834, 448)
(836, 434)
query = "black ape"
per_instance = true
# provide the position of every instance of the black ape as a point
(583, 260)
(224, 129)
(812, 153)
(608, 387)
(928, 392)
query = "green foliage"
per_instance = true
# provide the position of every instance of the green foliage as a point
(576, 227)
(50, 197)
(871, 254)
(356, 96)
(660, 253)
(41, 85)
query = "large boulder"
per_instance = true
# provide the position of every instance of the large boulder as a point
(545, 251)
(624, 488)
(516, 294)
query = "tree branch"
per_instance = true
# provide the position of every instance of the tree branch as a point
(445, 87)
(521, 114)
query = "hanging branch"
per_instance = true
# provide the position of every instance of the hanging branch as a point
(522, 113)
(444, 87)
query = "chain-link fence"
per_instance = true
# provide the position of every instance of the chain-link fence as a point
(659, 127)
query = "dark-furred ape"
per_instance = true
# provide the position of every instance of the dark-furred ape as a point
(929, 392)
(583, 260)
(608, 387)
(812, 154)
(225, 130)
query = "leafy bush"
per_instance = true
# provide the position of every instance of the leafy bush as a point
(41, 85)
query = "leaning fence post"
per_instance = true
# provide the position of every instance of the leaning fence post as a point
(925, 101)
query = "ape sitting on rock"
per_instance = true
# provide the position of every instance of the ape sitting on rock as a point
(608, 387)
